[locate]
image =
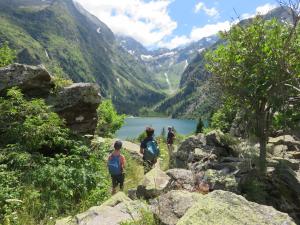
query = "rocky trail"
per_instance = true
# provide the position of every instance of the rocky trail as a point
(206, 185)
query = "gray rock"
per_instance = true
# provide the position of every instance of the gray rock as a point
(181, 179)
(222, 207)
(288, 140)
(279, 150)
(170, 207)
(218, 180)
(292, 163)
(114, 211)
(77, 104)
(34, 81)
(155, 182)
(198, 148)
(213, 138)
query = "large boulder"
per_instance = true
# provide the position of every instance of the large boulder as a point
(288, 140)
(200, 148)
(279, 188)
(182, 156)
(155, 182)
(116, 210)
(170, 207)
(77, 104)
(294, 164)
(222, 207)
(34, 81)
(181, 179)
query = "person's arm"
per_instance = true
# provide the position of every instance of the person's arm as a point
(142, 151)
(123, 163)
(109, 158)
(142, 148)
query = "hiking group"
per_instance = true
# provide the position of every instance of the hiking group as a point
(148, 148)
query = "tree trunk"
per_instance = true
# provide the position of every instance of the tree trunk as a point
(263, 138)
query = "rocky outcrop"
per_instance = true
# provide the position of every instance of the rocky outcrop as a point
(154, 183)
(181, 179)
(117, 209)
(218, 180)
(77, 104)
(170, 207)
(222, 207)
(34, 81)
(200, 148)
(286, 140)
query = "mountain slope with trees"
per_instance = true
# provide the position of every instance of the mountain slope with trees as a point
(67, 39)
(198, 94)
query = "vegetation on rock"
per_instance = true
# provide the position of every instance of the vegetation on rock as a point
(7, 55)
(45, 171)
(108, 119)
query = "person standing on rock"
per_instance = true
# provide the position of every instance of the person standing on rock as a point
(116, 166)
(170, 140)
(149, 150)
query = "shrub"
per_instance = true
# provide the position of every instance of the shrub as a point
(108, 119)
(7, 55)
(29, 124)
(44, 171)
(59, 80)
(147, 218)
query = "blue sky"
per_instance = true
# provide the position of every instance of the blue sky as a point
(171, 23)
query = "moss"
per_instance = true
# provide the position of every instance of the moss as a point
(226, 208)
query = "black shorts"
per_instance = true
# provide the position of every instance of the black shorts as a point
(118, 179)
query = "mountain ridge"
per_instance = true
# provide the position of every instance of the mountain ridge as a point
(61, 34)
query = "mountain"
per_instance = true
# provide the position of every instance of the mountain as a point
(65, 37)
(197, 94)
(166, 65)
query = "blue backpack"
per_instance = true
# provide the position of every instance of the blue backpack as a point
(114, 165)
(151, 151)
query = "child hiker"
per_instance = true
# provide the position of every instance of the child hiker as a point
(116, 167)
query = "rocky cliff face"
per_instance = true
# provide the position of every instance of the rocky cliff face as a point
(76, 104)
(34, 81)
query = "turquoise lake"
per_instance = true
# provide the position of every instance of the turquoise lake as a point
(135, 126)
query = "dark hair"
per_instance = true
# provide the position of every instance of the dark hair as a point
(149, 131)
(118, 145)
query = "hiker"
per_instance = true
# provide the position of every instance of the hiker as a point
(149, 150)
(170, 140)
(116, 167)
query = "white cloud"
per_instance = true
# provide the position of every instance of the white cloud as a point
(212, 12)
(208, 30)
(147, 22)
(175, 42)
(198, 7)
(264, 9)
(260, 10)
(196, 34)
